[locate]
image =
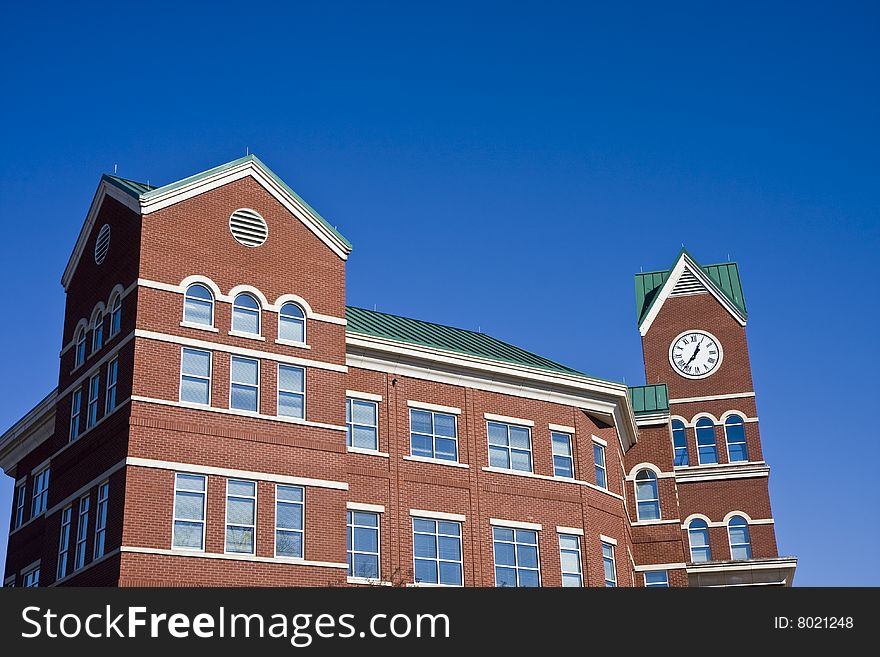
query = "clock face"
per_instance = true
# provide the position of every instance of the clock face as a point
(695, 354)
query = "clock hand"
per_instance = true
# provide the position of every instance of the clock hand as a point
(696, 351)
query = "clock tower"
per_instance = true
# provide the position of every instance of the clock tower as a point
(692, 321)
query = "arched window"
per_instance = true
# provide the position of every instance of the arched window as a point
(80, 347)
(698, 537)
(115, 315)
(246, 314)
(735, 434)
(98, 332)
(679, 442)
(740, 542)
(292, 323)
(647, 497)
(198, 305)
(706, 449)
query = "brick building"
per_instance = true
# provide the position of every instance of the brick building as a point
(222, 418)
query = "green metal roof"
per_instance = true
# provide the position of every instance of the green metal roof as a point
(138, 190)
(725, 276)
(416, 331)
(649, 399)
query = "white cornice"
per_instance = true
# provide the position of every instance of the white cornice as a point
(29, 432)
(715, 472)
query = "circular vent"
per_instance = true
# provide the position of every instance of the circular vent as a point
(102, 244)
(248, 227)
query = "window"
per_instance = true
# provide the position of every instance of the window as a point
(735, 435)
(698, 538)
(362, 424)
(80, 347)
(433, 435)
(647, 497)
(289, 514)
(241, 516)
(20, 499)
(510, 447)
(609, 564)
(98, 332)
(437, 552)
(246, 314)
(195, 376)
(188, 528)
(362, 538)
(101, 519)
(292, 323)
(516, 557)
(679, 442)
(244, 384)
(41, 493)
(706, 449)
(64, 543)
(656, 579)
(740, 541)
(92, 410)
(112, 377)
(599, 458)
(198, 305)
(31, 579)
(563, 461)
(115, 315)
(291, 391)
(75, 412)
(82, 531)
(570, 558)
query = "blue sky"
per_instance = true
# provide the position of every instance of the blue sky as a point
(506, 167)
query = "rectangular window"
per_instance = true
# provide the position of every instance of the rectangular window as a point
(244, 384)
(510, 447)
(188, 529)
(41, 493)
(64, 542)
(433, 435)
(195, 376)
(570, 558)
(291, 391)
(20, 499)
(92, 410)
(656, 579)
(82, 531)
(31, 578)
(362, 424)
(362, 544)
(112, 376)
(289, 515)
(516, 557)
(75, 412)
(101, 519)
(608, 562)
(599, 458)
(98, 334)
(437, 552)
(563, 461)
(241, 516)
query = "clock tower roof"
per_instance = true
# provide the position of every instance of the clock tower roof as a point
(687, 276)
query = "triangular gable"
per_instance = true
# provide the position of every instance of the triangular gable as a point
(687, 277)
(145, 200)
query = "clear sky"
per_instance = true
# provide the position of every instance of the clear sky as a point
(502, 166)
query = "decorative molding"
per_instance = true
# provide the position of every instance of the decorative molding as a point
(576, 531)
(437, 515)
(492, 417)
(515, 524)
(561, 428)
(360, 506)
(734, 395)
(425, 406)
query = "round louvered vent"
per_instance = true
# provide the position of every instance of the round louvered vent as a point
(102, 244)
(248, 227)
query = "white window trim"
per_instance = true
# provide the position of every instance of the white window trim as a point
(574, 531)
(377, 581)
(107, 409)
(571, 456)
(305, 324)
(278, 391)
(98, 528)
(425, 406)
(493, 468)
(362, 506)
(275, 533)
(656, 499)
(425, 459)
(604, 466)
(249, 385)
(437, 559)
(366, 450)
(85, 535)
(97, 390)
(607, 539)
(515, 524)
(505, 419)
(613, 562)
(656, 570)
(434, 436)
(516, 567)
(62, 539)
(20, 493)
(226, 550)
(247, 336)
(75, 403)
(580, 554)
(598, 440)
(437, 515)
(174, 517)
(200, 327)
(291, 343)
(210, 378)
(561, 428)
(363, 396)
(185, 295)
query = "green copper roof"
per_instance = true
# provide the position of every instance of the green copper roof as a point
(416, 331)
(649, 399)
(138, 190)
(724, 275)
